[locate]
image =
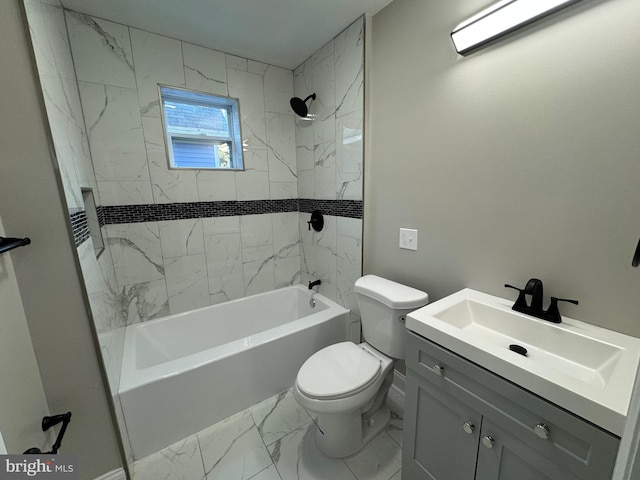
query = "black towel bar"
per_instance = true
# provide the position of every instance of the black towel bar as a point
(7, 244)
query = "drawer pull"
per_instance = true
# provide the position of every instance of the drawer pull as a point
(468, 427)
(542, 430)
(488, 441)
(438, 370)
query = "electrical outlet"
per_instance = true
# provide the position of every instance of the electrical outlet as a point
(409, 239)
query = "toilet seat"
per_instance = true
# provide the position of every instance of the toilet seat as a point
(338, 371)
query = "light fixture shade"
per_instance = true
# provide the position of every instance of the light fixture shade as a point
(500, 19)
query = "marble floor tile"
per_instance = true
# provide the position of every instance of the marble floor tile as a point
(395, 427)
(313, 415)
(379, 460)
(277, 416)
(297, 457)
(270, 473)
(233, 449)
(395, 400)
(397, 476)
(180, 461)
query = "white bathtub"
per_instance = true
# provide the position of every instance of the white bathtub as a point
(187, 371)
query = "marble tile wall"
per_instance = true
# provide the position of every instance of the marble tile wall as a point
(119, 69)
(178, 265)
(329, 154)
(173, 266)
(59, 87)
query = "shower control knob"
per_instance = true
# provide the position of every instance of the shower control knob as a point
(438, 370)
(542, 430)
(488, 441)
(468, 427)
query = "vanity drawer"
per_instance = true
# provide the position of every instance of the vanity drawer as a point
(545, 427)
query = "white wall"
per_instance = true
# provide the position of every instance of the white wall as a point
(518, 161)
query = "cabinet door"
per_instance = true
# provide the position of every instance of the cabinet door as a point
(437, 444)
(502, 456)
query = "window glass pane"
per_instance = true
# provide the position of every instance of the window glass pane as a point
(201, 154)
(184, 118)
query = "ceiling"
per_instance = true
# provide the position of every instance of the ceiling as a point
(278, 32)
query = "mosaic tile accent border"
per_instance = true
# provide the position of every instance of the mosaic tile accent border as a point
(80, 227)
(336, 208)
(114, 214)
(100, 213)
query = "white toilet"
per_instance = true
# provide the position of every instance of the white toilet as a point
(345, 384)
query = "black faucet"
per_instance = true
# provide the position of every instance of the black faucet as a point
(534, 288)
(534, 308)
(314, 284)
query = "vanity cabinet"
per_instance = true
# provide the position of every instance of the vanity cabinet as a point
(463, 422)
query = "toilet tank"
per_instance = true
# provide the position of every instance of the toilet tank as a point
(383, 307)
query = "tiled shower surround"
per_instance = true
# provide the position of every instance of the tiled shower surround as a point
(176, 240)
(172, 264)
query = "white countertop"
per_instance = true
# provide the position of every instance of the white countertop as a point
(586, 369)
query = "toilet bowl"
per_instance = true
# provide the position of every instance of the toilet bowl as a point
(344, 386)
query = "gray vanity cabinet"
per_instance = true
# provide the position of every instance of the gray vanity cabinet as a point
(511, 457)
(463, 422)
(446, 450)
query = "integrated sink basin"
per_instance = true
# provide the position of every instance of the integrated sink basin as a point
(583, 368)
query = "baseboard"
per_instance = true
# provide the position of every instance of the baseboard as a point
(117, 474)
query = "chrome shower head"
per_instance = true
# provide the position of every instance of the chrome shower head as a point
(299, 106)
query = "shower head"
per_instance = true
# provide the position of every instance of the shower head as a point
(299, 106)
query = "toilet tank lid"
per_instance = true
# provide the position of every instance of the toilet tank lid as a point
(390, 293)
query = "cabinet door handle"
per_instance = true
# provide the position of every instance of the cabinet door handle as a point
(488, 441)
(438, 370)
(542, 430)
(468, 427)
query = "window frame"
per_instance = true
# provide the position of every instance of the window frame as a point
(232, 106)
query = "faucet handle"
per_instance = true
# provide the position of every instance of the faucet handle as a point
(515, 288)
(553, 314)
(556, 300)
(521, 302)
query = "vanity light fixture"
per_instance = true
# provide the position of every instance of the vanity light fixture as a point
(500, 19)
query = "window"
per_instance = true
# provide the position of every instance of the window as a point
(202, 130)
